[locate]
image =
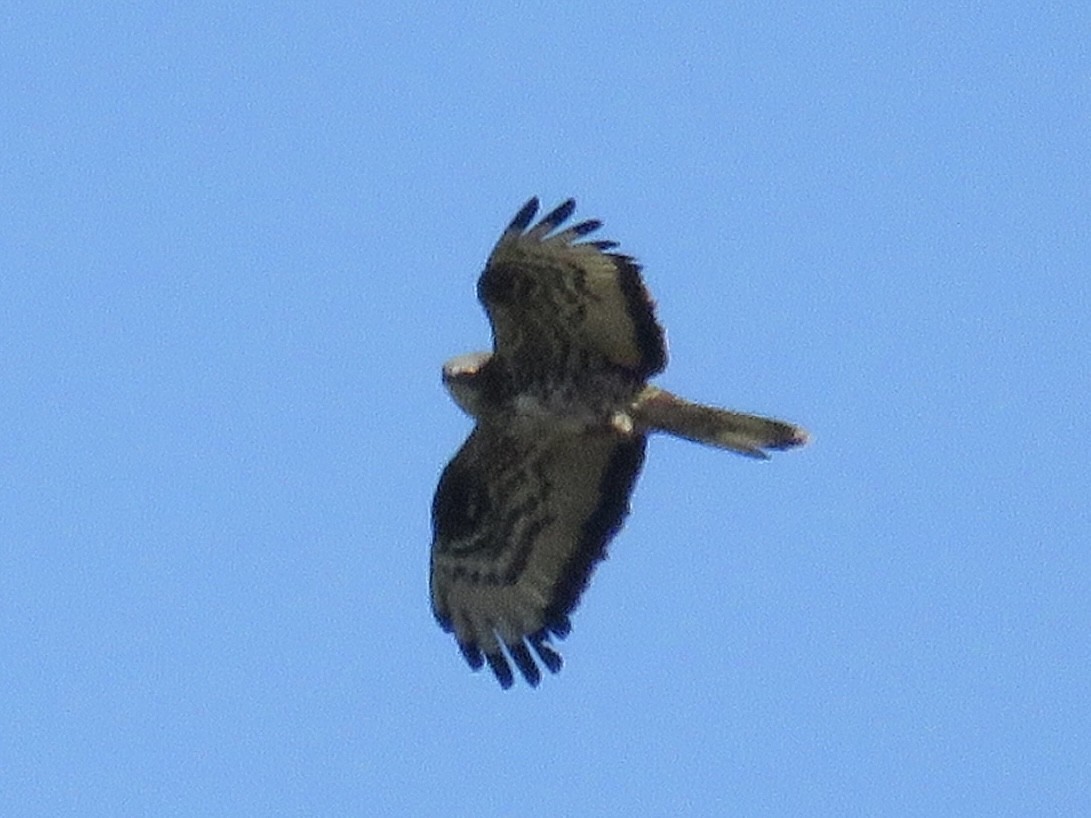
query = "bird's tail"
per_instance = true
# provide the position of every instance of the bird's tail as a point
(658, 410)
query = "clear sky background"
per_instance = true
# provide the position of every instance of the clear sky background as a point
(236, 245)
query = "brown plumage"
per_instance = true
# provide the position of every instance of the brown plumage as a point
(524, 511)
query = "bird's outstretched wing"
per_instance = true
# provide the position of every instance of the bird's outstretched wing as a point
(557, 302)
(520, 520)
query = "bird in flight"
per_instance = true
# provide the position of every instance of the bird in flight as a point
(562, 409)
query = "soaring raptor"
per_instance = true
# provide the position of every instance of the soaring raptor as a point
(563, 408)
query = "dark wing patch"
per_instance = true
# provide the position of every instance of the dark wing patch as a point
(553, 299)
(520, 521)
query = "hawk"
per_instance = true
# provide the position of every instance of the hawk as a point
(563, 408)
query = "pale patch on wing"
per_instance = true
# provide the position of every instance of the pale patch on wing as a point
(520, 519)
(550, 296)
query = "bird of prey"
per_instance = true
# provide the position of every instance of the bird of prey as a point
(562, 407)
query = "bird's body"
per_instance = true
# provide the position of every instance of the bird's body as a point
(562, 409)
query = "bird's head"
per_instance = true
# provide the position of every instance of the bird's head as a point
(460, 378)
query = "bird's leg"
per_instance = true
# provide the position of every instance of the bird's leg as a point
(622, 423)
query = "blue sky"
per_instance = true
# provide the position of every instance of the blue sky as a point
(236, 244)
